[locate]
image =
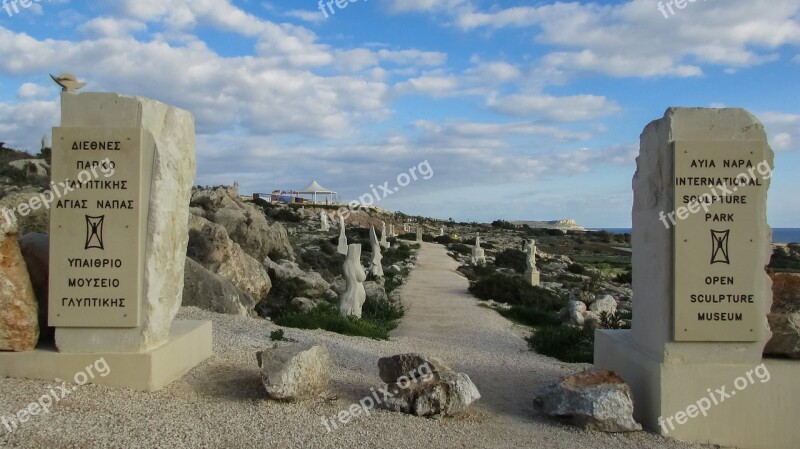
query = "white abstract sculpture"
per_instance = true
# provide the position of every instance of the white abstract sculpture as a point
(532, 274)
(419, 233)
(441, 232)
(352, 300)
(375, 266)
(324, 222)
(478, 256)
(384, 243)
(391, 230)
(342, 249)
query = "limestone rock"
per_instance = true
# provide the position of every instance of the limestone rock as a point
(592, 399)
(412, 365)
(174, 168)
(35, 249)
(244, 222)
(303, 304)
(606, 304)
(447, 394)
(36, 220)
(315, 285)
(19, 322)
(208, 291)
(34, 167)
(375, 292)
(210, 246)
(784, 319)
(292, 373)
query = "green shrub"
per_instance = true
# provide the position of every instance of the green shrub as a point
(502, 224)
(276, 335)
(443, 239)
(459, 248)
(576, 268)
(515, 290)
(326, 316)
(512, 258)
(566, 343)
(530, 316)
(613, 320)
(624, 278)
(399, 252)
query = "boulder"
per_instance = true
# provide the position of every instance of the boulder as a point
(35, 221)
(784, 319)
(19, 311)
(602, 304)
(244, 222)
(303, 304)
(375, 292)
(208, 291)
(315, 285)
(210, 246)
(447, 394)
(34, 167)
(411, 365)
(592, 399)
(293, 373)
(35, 249)
(591, 320)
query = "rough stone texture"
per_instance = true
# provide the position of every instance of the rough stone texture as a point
(375, 292)
(35, 249)
(244, 222)
(210, 246)
(36, 221)
(447, 394)
(342, 248)
(410, 365)
(316, 287)
(303, 304)
(35, 167)
(19, 322)
(292, 373)
(592, 399)
(605, 303)
(174, 168)
(653, 186)
(352, 300)
(208, 291)
(784, 320)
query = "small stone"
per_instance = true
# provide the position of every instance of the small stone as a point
(292, 373)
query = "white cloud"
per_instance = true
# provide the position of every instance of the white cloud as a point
(782, 129)
(306, 16)
(23, 123)
(562, 109)
(108, 27)
(436, 86)
(32, 90)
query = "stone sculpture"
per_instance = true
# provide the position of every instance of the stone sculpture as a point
(375, 266)
(532, 274)
(324, 222)
(342, 249)
(478, 256)
(353, 298)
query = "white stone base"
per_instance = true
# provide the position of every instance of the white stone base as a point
(533, 277)
(188, 345)
(763, 415)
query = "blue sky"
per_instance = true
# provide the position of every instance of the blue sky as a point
(523, 109)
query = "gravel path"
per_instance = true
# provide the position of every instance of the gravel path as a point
(221, 403)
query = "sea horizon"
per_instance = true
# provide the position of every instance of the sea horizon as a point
(779, 235)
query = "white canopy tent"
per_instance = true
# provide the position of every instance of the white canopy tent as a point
(315, 189)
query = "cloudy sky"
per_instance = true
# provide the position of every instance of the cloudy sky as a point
(523, 109)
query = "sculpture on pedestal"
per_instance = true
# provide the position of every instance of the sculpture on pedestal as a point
(532, 274)
(342, 249)
(478, 256)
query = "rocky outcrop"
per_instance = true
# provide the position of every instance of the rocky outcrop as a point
(293, 373)
(35, 221)
(208, 291)
(244, 222)
(210, 246)
(784, 319)
(592, 399)
(35, 249)
(19, 321)
(34, 167)
(430, 388)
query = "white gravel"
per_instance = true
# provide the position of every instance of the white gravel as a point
(222, 403)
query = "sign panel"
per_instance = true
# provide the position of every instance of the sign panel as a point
(720, 190)
(98, 223)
